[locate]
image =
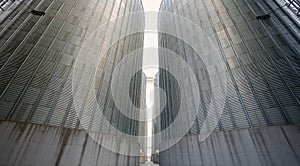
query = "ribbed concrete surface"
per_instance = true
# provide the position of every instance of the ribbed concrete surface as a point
(31, 144)
(261, 58)
(271, 146)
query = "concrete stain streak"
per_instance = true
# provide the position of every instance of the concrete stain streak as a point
(33, 144)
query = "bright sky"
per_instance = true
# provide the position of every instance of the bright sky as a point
(150, 40)
(151, 5)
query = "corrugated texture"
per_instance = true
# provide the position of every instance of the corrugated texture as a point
(261, 58)
(37, 56)
(270, 146)
(35, 145)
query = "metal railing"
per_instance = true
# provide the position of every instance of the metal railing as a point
(294, 5)
(5, 3)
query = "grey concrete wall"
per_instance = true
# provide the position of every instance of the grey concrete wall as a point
(38, 56)
(248, 147)
(261, 58)
(31, 144)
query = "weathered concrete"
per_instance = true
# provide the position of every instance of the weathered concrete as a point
(148, 163)
(31, 144)
(248, 147)
(260, 47)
